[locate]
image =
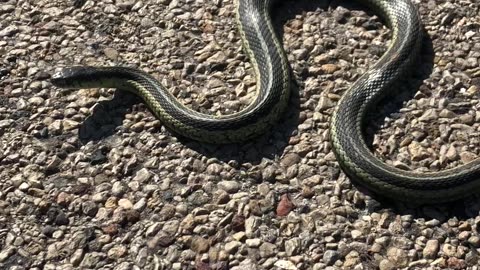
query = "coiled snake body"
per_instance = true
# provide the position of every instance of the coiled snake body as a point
(273, 81)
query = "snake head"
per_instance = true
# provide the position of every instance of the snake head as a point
(72, 77)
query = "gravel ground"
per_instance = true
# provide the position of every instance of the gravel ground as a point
(91, 180)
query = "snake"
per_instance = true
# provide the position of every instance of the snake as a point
(270, 65)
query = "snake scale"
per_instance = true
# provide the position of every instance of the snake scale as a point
(273, 90)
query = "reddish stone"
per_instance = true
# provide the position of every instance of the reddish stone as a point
(284, 206)
(238, 223)
(64, 199)
(111, 229)
(454, 263)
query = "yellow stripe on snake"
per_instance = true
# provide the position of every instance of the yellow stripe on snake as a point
(273, 90)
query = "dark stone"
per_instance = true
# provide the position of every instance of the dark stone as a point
(62, 219)
(81, 189)
(132, 216)
(238, 223)
(89, 234)
(162, 239)
(48, 231)
(42, 75)
(110, 229)
(89, 208)
(98, 157)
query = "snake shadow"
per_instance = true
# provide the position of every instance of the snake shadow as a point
(107, 117)
(272, 144)
(404, 90)
(389, 107)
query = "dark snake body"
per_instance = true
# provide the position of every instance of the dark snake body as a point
(273, 79)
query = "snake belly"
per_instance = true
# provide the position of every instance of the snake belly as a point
(272, 94)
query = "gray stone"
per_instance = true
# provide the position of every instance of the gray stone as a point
(6, 123)
(93, 259)
(253, 243)
(330, 257)
(6, 253)
(143, 175)
(119, 188)
(292, 246)
(431, 249)
(231, 247)
(89, 208)
(386, 265)
(199, 244)
(449, 250)
(77, 257)
(429, 115)
(284, 264)
(9, 31)
(251, 225)
(229, 186)
(267, 250)
(117, 252)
